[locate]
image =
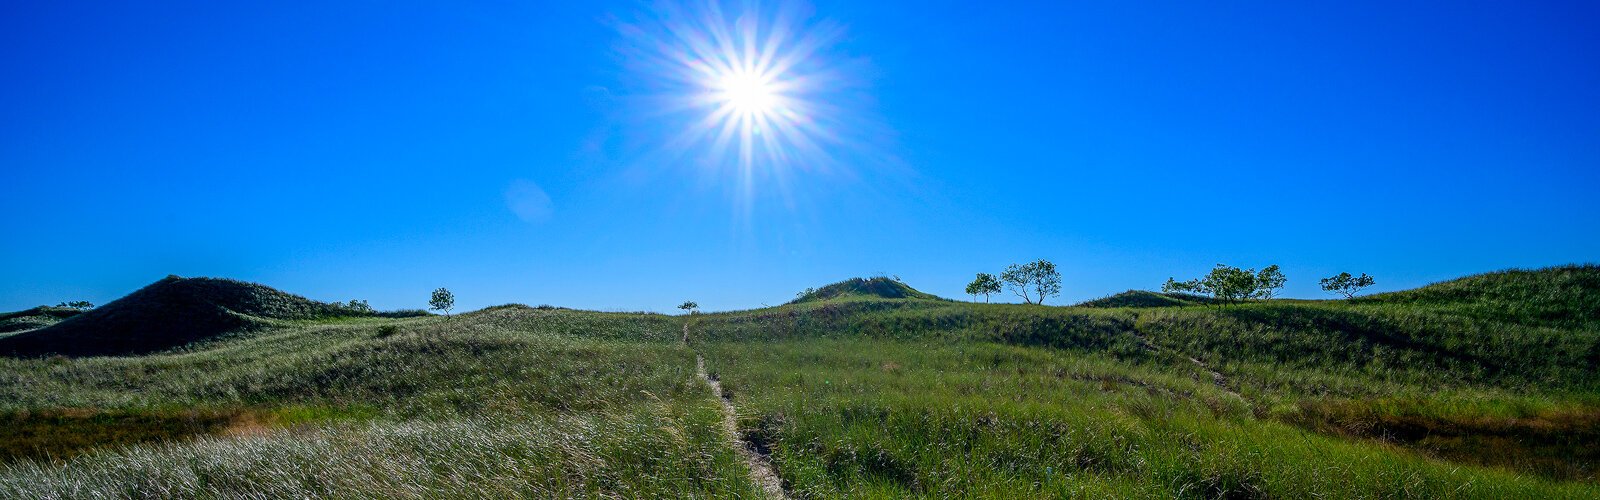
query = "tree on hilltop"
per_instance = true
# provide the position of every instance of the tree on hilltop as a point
(1345, 284)
(81, 305)
(442, 300)
(1269, 281)
(689, 306)
(985, 284)
(1034, 280)
(1231, 284)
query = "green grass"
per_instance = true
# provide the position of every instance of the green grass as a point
(1403, 398)
(517, 400)
(878, 287)
(1563, 296)
(890, 419)
(35, 318)
(1479, 388)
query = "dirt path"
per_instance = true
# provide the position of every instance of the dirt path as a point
(1216, 377)
(760, 466)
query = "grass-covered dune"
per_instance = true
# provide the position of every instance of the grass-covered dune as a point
(877, 287)
(33, 319)
(1141, 298)
(1484, 387)
(169, 313)
(1565, 296)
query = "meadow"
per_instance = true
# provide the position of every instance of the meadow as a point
(1483, 387)
(510, 401)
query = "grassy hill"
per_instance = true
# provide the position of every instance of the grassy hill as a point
(33, 319)
(879, 288)
(865, 388)
(1565, 296)
(1141, 298)
(167, 314)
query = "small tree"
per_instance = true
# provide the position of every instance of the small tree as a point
(358, 306)
(689, 306)
(1190, 286)
(985, 284)
(1037, 279)
(1345, 284)
(1230, 283)
(1269, 281)
(442, 300)
(81, 305)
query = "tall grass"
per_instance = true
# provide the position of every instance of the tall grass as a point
(1426, 394)
(507, 401)
(652, 450)
(889, 419)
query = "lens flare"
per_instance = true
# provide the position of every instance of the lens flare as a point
(744, 92)
(747, 92)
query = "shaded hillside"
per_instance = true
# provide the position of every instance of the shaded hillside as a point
(880, 287)
(1558, 296)
(35, 318)
(1137, 298)
(166, 314)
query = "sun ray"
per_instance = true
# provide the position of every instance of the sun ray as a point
(748, 94)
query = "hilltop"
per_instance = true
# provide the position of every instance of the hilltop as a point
(1141, 298)
(879, 287)
(1561, 295)
(166, 314)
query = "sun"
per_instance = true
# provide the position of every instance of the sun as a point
(747, 92)
(751, 98)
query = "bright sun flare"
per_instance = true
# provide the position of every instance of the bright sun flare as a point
(747, 92)
(751, 92)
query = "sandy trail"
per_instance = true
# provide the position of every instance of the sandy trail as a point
(760, 466)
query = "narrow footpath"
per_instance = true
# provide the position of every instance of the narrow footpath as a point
(761, 471)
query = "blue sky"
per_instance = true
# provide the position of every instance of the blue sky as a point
(526, 152)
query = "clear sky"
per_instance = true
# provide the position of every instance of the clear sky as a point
(571, 153)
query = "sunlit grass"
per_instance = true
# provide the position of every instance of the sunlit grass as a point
(872, 418)
(512, 401)
(853, 396)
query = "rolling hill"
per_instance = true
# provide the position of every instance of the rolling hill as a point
(1484, 387)
(879, 287)
(1140, 298)
(1557, 296)
(169, 313)
(33, 319)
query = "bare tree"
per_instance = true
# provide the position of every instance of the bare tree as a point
(1034, 280)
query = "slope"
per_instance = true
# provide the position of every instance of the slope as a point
(35, 318)
(166, 314)
(1562, 296)
(879, 287)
